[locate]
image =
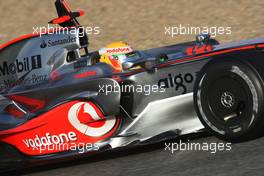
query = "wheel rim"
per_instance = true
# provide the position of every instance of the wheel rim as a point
(228, 103)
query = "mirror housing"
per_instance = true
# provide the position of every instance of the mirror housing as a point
(149, 65)
(127, 65)
(202, 38)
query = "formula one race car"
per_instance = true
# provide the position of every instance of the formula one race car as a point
(59, 100)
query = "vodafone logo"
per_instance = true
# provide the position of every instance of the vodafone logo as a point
(119, 50)
(89, 120)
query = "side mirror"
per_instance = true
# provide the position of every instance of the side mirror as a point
(202, 38)
(150, 65)
(161, 58)
(127, 65)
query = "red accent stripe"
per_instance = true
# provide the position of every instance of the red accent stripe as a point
(85, 74)
(81, 12)
(32, 35)
(31, 103)
(196, 57)
(207, 55)
(11, 109)
(55, 75)
(66, 6)
(209, 48)
(189, 51)
(61, 19)
(23, 37)
(260, 45)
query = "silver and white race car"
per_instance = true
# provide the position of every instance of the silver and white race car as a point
(58, 100)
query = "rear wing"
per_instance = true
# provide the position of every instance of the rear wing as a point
(66, 18)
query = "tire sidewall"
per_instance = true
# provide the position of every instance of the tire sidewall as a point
(255, 85)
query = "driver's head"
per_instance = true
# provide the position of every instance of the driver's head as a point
(114, 54)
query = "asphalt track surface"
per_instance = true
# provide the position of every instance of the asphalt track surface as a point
(243, 159)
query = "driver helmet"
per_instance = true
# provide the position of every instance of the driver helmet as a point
(114, 54)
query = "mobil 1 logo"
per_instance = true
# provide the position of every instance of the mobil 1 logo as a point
(25, 64)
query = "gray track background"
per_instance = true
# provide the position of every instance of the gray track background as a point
(140, 23)
(243, 159)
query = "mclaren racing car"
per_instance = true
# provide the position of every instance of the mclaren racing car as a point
(59, 100)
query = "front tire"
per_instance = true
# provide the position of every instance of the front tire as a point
(228, 99)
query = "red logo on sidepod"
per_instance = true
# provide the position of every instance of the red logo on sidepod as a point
(89, 120)
(70, 124)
